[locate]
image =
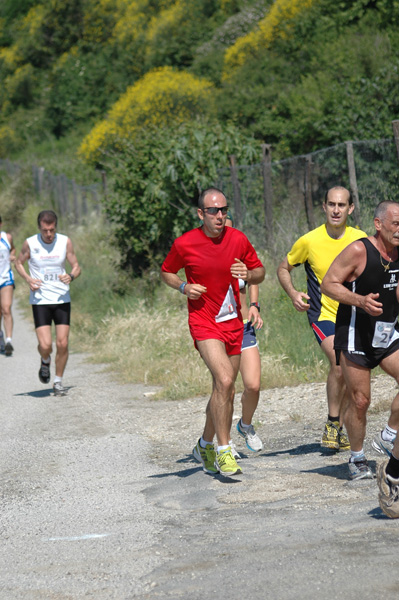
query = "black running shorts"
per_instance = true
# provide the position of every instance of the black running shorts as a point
(44, 314)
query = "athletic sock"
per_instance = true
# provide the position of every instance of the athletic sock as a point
(244, 425)
(203, 443)
(222, 448)
(8, 340)
(46, 361)
(57, 379)
(392, 468)
(333, 419)
(355, 456)
(388, 434)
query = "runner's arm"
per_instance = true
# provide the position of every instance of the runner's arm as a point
(254, 312)
(191, 290)
(284, 277)
(346, 267)
(73, 261)
(13, 251)
(23, 256)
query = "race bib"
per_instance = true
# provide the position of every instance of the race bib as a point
(50, 273)
(383, 334)
(228, 310)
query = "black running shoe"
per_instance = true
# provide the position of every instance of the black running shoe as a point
(44, 372)
(8, 350)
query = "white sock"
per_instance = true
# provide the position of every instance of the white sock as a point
(356, 455)
(244, 425)
(57, 379)
(203, 443)
(8, 340)
(222, 448)
(46, 361)
(388, 434)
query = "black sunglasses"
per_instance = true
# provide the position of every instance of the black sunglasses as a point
(213, 210)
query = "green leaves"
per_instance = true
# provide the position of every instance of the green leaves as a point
(156, 183)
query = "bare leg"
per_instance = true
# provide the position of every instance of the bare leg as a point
(6, 294)
(336, 389)
(45, 346)
(250, 373)
(357, 380)
(391, 366)
(224, 369)
(61, 357)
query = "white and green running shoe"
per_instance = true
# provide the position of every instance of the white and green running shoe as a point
(206, 456)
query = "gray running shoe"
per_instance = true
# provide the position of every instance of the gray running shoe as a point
(206, 456)
(360, 469)
(252, 440)
(8, 349)
(234, 452)
(44, 372)
(388, 496)
(58, 389)
(382, 446)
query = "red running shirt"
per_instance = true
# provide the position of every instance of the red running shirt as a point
(207, 261)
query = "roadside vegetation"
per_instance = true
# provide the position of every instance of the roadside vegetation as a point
(159, 94)
(138, 326)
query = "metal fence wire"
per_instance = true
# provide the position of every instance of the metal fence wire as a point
(276, 202)
(70, 200)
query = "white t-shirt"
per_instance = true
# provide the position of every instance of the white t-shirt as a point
(47, 262)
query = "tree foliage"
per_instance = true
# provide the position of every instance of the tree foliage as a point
(157, 181)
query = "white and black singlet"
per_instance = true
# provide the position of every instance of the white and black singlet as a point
(365, 339)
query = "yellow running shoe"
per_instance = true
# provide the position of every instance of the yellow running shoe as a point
(330, 437)
(206, 456)
(226, 463)
(343, 441)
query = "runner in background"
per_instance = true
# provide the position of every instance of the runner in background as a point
(250, 365)
(316, 250)
(7, 256)
(46, 253)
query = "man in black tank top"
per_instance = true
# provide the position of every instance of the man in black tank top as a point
(364, 280)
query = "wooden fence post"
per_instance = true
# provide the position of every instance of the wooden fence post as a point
(395, 127)
(267, 192)
(308, 193)
(104, 184)
(353, 182)
(236, 192)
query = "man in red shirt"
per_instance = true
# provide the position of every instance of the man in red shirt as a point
(214, 257)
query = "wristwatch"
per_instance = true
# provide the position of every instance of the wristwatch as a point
(255, 304)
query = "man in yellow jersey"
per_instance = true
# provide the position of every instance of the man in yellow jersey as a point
(316, 250)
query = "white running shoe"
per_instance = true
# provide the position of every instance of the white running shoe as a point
(234, 451)
(252, 440)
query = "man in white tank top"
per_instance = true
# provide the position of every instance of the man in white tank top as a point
(46, 253)
(7, 256)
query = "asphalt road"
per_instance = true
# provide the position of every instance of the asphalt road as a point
(100, 499)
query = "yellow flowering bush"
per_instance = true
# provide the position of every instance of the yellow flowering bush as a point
(162, 97)
(272, 26)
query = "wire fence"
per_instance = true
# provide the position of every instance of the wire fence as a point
(68, 199)
(276, 202)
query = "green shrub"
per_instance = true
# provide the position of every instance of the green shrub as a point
(157, 180)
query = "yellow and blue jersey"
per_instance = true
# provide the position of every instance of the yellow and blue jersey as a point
(317, 250)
